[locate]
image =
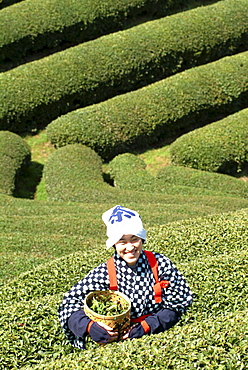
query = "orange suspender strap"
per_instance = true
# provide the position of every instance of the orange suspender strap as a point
(112, 274)
(153, 264)
(158, 284)
(141, 320)
(154, 267)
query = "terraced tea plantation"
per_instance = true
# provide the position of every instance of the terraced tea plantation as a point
(140, 103)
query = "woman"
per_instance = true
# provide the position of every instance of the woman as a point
(157, 302)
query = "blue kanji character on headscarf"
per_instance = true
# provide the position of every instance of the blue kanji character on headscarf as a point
(118, 212)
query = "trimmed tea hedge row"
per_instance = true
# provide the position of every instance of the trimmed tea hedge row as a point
(132, 121)
(69, 170)
(34, 94)
(219, 147)
(35, 24)
(219, 284)
(30, 330)
(33, 333)
(207, 344)
(212, 236)
(129, 172)
(184, 176)
(14, 155)
(84, 219)
(50, 278)
(68, 227)
(74, 173)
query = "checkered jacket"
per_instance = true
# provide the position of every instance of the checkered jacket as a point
(136, 284)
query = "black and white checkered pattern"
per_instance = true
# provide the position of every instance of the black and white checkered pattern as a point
(136, 284)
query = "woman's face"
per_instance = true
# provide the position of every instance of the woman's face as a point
(129, 248)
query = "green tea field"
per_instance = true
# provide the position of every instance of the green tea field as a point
(139, 103)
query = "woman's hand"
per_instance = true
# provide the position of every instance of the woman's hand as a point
(136, 331)
(125, 336)
(112, 334)
(102, 333)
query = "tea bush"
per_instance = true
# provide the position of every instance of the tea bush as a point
(36, 335)
(128, 172)
(69, 170)
(63, 228)
(15, 154)
(185, 241)
(185, 176)
(217, 234)
(218, 147)
(219, 344)
(74, 173)
(30, 330)
(34, 94)
(33, 25)
(33, 232)
(211, 252)
(144, 117)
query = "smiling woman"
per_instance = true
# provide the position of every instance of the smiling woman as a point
(158, 293)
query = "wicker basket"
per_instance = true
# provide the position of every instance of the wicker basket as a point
(119, 323)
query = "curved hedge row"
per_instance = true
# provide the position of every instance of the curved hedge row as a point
(70, 170)
(68, 227)
(36, 24)
(219, 147)
(36, 93)
(184, 176)
(128, 172)
(14, 155)
(74, 173)
(137, 119)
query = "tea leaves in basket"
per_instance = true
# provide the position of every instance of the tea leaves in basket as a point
(102, 305)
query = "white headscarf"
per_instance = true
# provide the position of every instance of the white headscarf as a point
(122, 221)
